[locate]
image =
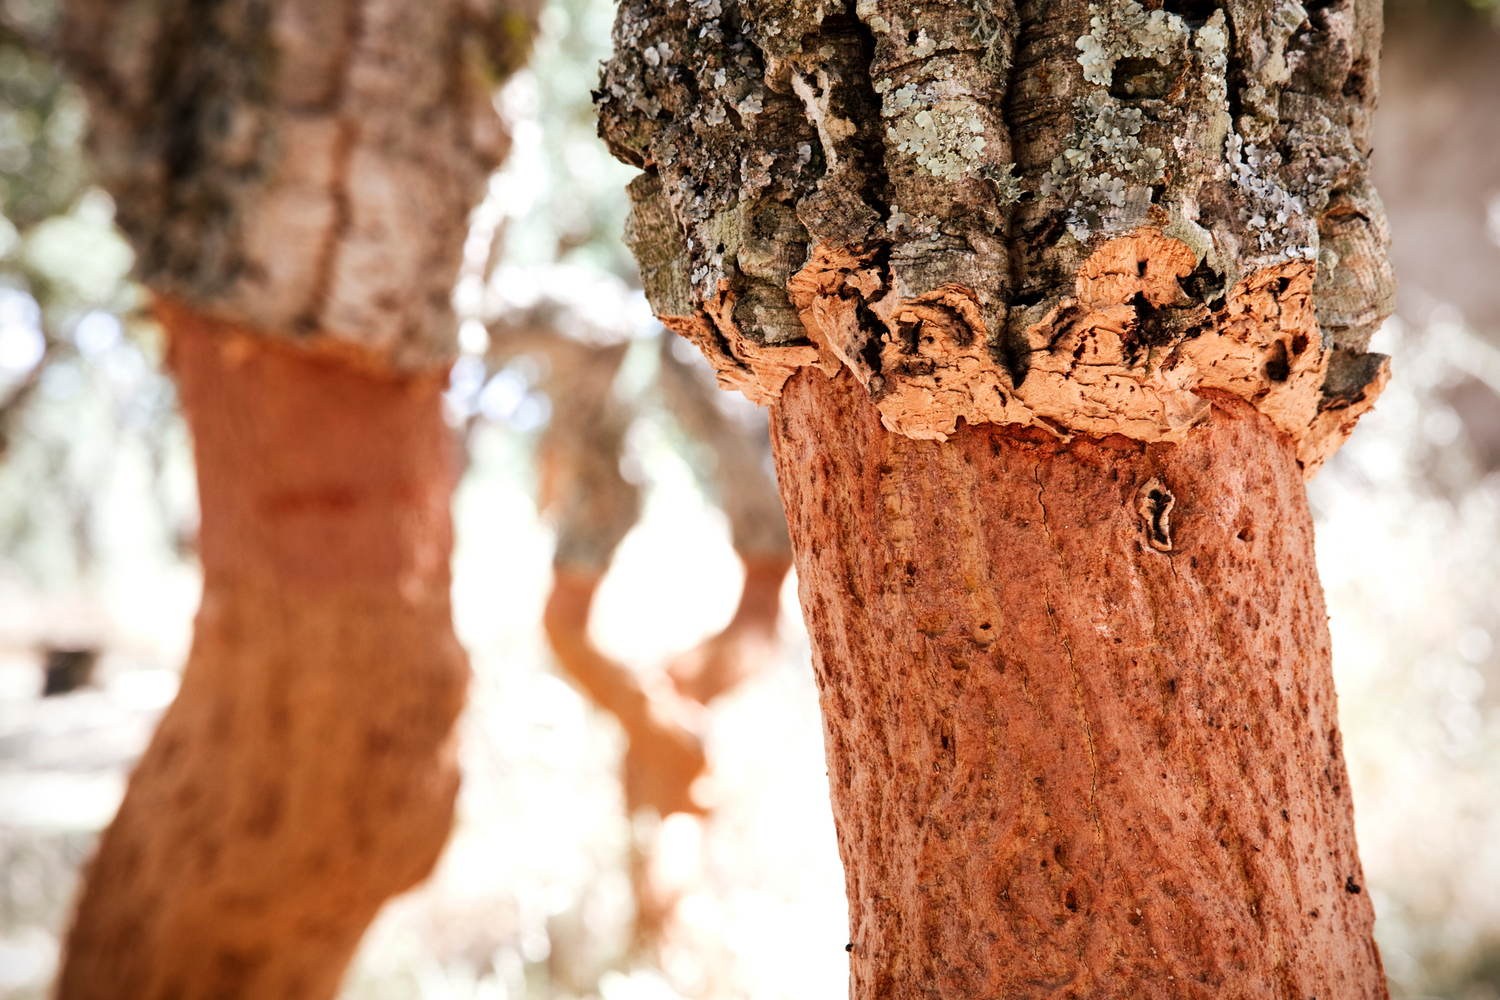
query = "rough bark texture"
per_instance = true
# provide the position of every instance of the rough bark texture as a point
(1063, 762)
(303, 166)
(1094, 284)
(1067, 215)
(304, 773)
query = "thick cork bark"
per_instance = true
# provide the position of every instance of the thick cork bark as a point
(1095, 282)
(1079, 712)
(305, 772)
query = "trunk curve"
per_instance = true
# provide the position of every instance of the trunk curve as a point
(1063, 762)
(305, 772)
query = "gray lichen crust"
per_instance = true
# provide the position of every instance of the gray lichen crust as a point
(1069, 214)
(305, 167)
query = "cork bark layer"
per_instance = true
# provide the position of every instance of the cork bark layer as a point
(1080, 721)
(1072, 215)
(305, 772)
(302, 166)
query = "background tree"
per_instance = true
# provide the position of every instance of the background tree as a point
(295, 179)
(1089, 289)
(580, 456)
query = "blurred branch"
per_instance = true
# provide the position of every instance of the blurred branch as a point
(14, 404)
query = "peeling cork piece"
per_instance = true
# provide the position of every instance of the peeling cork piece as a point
(1128, 353)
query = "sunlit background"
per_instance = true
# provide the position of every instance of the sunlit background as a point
(533, 898)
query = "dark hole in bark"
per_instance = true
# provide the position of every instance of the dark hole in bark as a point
(909, 332)
(1277, 365)
(1139, 79)
(1352, 887)
(1151, 324)
(1155, 503)
(1070, 900)
(911, 37)
(1048, 231)
(1195, 12)
(1299, 344)
(1357, 83)
(869, 352)
(1246, 534)
(1206, 285)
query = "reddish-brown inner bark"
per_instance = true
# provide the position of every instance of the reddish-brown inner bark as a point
(1062, 762)
(305, 772)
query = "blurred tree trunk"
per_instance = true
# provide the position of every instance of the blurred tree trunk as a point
(1056, 305)
(295, 178)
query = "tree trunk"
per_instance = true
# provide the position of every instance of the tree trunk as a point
(295, 178)
(305, 772)
(1062, 759)
(1093, 284)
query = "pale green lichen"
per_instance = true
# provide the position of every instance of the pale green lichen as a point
(1127, 30)
(1212, 43)
(944, 136)
(987, 26)
(1271, 207)
(1008, 188)
(1106, 152)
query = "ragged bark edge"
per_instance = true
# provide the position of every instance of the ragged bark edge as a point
(964, 170)
(1128, 353)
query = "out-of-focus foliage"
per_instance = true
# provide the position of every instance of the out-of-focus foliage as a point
(84, 409)
(560, 193)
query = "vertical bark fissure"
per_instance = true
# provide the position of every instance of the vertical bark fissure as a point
(309, 318)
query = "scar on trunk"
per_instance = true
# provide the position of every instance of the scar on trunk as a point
(1155, 503)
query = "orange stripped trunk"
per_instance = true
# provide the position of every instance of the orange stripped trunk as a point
(305, 772)
(1066, 761)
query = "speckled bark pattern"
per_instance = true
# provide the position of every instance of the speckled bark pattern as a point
(305, 772)
(1064, 763)
(304, 166)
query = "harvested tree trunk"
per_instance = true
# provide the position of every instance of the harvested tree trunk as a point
(1061, 758)
(1055, 304)
(305, 772)
(295, 178)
